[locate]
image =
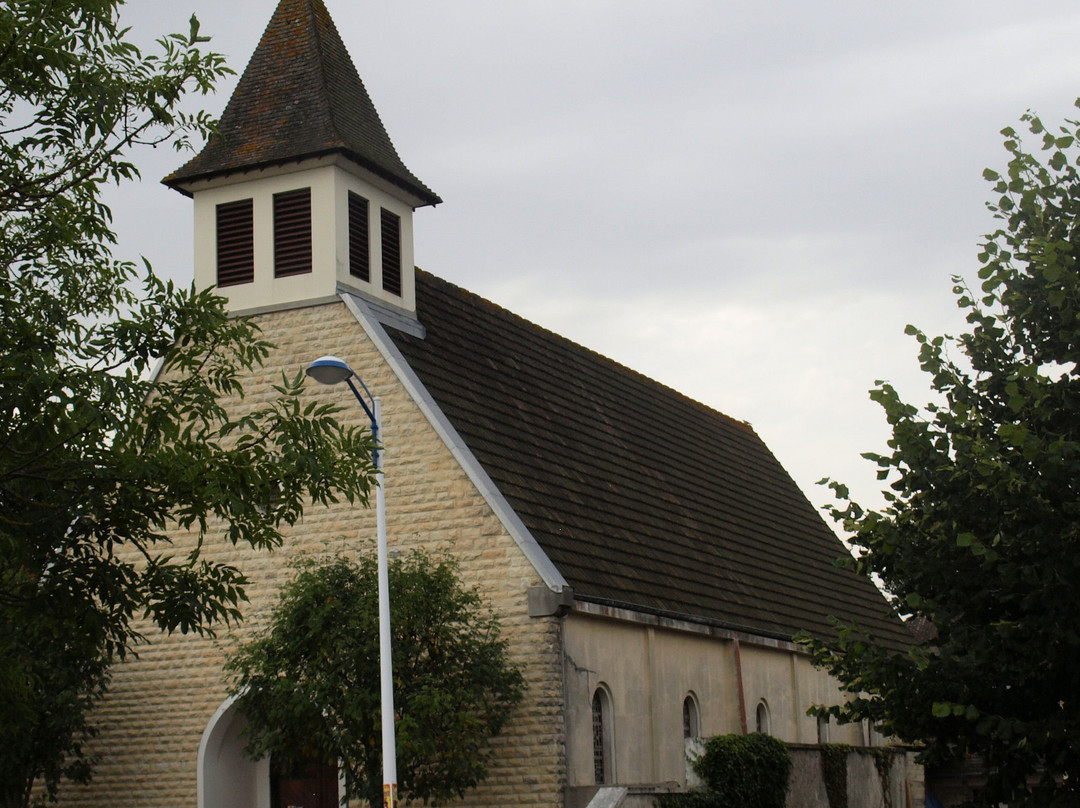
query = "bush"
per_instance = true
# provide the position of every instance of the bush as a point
(696, 798)
(738, 770)
(309, 685)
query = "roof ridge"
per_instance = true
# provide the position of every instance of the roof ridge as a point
(320, 66)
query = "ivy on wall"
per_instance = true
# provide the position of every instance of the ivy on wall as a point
(883, 762)
(755, 770)
(834, 773)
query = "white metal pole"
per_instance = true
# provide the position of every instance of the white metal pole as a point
(386, 674)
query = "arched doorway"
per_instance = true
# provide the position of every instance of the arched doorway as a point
(227, 777)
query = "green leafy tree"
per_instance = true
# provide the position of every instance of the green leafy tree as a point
(979, 539)
(309, 685)
(99, 460)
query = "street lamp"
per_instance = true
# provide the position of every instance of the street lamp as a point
(332, 370)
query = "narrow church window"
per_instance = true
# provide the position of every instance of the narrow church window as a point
(867, 732)
(601, 731)
(391, 252)
(273, 497)
(763, 717)
(292, 233)
(823, 729)
(359, 256)
(235, 243)
(690, 724)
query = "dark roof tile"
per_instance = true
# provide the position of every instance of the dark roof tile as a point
(640, 496)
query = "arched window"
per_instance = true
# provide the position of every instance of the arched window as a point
(871, 737)
(601, 734)
(762, 717)
(691, 726)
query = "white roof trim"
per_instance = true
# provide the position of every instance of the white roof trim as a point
(364, 315)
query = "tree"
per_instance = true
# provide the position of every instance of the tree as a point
(99, 458)
(980, 535)
(309, 684)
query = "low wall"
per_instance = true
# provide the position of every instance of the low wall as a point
(861, 777)
(876, 777)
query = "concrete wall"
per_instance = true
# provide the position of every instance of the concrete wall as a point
(160, 704)
(866, 787)
(649, 666)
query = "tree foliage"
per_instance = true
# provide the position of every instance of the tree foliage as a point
(98, 460)
(980, 535)
(309, 684)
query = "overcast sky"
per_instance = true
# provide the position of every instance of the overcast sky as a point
(744, 201)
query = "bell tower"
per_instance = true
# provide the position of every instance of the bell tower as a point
(302, 193)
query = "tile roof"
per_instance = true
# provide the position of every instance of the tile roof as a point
(641, 497)
(300, 96)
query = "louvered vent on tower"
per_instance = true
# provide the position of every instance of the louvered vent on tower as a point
(292, 233)
(235, 243)
(391, 252)
(359, 244)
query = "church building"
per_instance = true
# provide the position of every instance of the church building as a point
(648, 557)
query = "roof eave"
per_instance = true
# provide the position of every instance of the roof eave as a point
(420, 196)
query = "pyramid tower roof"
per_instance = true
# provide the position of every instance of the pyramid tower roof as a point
(300, 97)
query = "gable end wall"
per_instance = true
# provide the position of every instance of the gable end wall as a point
(159, 704)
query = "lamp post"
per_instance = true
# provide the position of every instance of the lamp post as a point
(332, 370)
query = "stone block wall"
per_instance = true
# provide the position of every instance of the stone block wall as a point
(159, 703)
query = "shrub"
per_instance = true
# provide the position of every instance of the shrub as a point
(738, 770)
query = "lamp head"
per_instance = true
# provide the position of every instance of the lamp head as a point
(329, 370)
